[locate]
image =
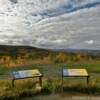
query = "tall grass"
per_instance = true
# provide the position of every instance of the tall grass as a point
(51, 81)
(29, 87)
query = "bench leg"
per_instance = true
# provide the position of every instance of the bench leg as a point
(87, 80)
(62, 84)
(40, 81)
(13, 82)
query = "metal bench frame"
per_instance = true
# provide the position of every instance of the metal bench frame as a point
(87, 77)
(34, 76)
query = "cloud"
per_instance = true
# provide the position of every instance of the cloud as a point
(68, 8)
(89, 42)
(14, 1)
(51, 23)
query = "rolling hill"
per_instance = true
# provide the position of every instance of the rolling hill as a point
(26, 55)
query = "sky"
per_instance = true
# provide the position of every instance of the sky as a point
(50, 24)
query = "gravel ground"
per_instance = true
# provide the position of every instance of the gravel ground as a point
(64, 97)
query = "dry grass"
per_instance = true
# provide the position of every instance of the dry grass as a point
(51, 83)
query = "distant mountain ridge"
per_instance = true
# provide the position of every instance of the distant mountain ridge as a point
(11, 49)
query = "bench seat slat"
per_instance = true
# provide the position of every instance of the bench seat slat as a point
(74, 72)
(26, 74)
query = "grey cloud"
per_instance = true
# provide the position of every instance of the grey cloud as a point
(14, 1)
(50, 23)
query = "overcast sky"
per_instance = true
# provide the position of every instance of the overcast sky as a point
(52, 24)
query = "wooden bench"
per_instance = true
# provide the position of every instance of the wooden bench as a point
(16, 75)
(75, 73)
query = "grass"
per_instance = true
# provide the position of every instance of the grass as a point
(91, 66)
(28, 88)
(51, 81)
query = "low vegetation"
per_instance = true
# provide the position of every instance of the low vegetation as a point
(51, 82)
(13, 56)
(27, 88)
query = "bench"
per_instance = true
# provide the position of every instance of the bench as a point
(75, 73)
(23, 74)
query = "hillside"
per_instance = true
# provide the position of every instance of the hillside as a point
(26, 55)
